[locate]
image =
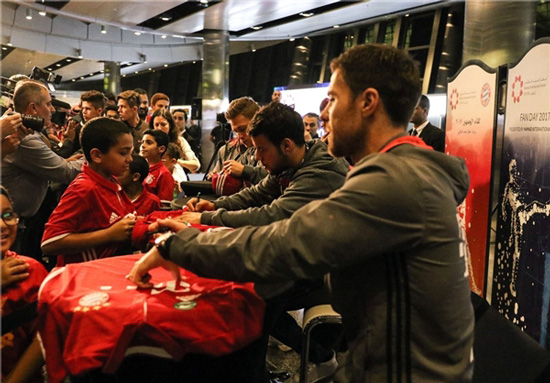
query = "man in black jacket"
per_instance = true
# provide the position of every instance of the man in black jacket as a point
(431, 135)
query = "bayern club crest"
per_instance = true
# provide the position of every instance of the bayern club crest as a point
(485, 94)
(92, 301)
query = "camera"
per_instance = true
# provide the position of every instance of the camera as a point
(32, 122)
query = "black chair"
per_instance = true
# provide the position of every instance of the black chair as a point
(503, 353)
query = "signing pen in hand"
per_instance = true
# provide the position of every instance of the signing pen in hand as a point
(198, 197)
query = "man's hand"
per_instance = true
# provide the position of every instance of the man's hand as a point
(10, 144)
(69, 131)
(190, 217)
(13, 270)
(202, 205)
(10, 124)
(151, 260)
(233, 167)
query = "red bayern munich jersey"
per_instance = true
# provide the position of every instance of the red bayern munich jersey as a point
(160, 182)
(15, 297)
(91, 316)
(90, 203)
(146, 203)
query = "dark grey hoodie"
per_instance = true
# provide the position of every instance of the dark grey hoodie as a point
(391, 241)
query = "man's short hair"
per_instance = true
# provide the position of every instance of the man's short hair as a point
(110, 107)
(244, 105)
(278, 121)
(388, 70)
(139, 165)
(110, 96)
(27, 91)
(101, 133)
(159, 96)
(161, 138)
(173, 151)
(97, 99)
(311, 114)
(181, 111)
(131, 97)
(424, 102)
(140, 91)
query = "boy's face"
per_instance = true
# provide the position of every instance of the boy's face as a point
(117, 160)
(8, 232)
(149, 149)
(125, 111)
(89, 111)
(169, 162)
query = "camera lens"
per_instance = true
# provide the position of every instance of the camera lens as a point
(32, 122)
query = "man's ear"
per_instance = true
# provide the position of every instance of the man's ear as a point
(95, 155)
(135, 177)
(162, 149)
(369, 100)
(286, 145)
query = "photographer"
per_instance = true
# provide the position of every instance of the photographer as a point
(27, 171)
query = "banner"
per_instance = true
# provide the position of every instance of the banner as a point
(470, 131)
(521, 286)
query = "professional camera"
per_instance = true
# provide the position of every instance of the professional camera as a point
(32, 122)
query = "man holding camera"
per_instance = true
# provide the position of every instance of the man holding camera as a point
(27, 172)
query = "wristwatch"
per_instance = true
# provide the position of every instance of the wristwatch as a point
(162, 244)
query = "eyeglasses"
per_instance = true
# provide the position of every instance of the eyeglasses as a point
(10, 218)
(311, 124)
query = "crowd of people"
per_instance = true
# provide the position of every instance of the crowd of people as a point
(347, 193)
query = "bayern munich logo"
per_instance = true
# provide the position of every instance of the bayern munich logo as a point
(93, 299)
(517, 89)
(485, 94)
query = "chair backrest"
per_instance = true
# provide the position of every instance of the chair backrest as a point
(503, 353)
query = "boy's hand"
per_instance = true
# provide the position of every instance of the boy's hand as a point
(202, 205)
(13, 270)
(173, 225)
(122, 230)
(233, 167)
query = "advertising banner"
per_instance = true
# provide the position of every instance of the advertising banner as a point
(470, 131)
(521, 285)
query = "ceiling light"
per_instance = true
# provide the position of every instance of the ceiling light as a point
(58, 65)
(137, 33)
(82, 77)
(163, 36)
(166, 18)
(103, 29)
(291, 39)
(178, 36)
(257, 27)
(4, 48)
(79, 53)
(50, 69)
(336, 26)
(42, 13)
(150, 68)
(10, 44)
(165, 65)
(136, 72)
(306, 14)
(123, 75)
(203, 1)
(74, 79)
(29, 14)
(69, 60)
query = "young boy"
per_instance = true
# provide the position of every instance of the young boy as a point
(159, 181)
(95, 217)
(132, 180)
(170, 159)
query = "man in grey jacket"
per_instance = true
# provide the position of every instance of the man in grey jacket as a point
(389, 237)
(298, 173)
